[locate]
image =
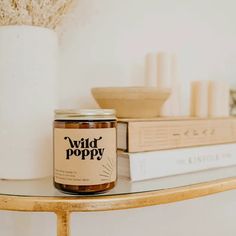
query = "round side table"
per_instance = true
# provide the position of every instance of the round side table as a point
(41, 196)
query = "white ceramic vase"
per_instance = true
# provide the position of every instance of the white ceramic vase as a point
(28, 71)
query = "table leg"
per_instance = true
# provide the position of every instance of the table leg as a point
(63, 223)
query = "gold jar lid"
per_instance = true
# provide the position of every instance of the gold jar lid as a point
(85, 114)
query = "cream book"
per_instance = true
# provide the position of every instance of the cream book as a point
(149, 165)
(139, 135)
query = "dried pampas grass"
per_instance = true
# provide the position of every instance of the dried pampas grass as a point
(44, 13)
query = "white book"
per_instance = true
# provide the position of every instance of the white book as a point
(148, 165)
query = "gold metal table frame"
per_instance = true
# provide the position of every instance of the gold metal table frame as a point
(62, 206)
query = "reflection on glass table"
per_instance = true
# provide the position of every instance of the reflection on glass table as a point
(44, 187)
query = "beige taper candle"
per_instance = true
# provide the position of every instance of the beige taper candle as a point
(151, 70)
(167, 77)
(218, 98)
(199, 98)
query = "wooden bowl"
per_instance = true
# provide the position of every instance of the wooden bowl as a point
(132, 102)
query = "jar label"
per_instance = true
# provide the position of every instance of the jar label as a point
(84, 156)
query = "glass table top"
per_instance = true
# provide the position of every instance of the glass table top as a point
(44, 187)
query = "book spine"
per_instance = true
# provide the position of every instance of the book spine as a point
(158, 164)
(161, 135)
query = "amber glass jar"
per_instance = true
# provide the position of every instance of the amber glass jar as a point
(85, 150)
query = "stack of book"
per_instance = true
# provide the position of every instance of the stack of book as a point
(157, 148)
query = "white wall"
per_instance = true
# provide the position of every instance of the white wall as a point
(104, 43)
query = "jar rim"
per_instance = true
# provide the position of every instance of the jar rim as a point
(84, 114)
